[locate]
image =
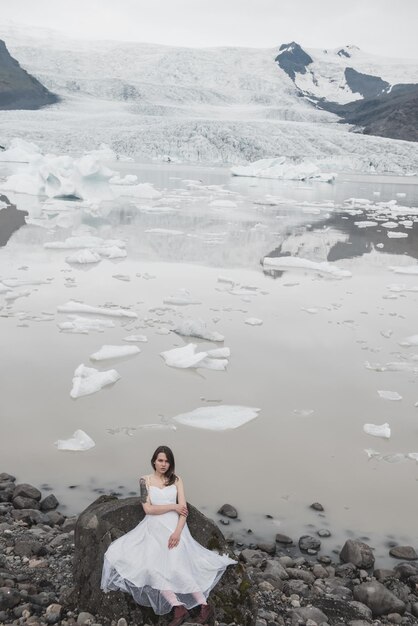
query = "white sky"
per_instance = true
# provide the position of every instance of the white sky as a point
(385, 27)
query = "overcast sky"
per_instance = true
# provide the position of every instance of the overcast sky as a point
(386, 27)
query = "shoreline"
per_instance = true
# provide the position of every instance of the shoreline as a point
(36, 560)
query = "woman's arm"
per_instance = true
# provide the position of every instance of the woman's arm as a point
(174, 539)
(156, 509)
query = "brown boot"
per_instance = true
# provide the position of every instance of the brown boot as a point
(206, 613)
(180, 614)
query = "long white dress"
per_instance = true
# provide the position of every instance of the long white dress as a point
(141, 564)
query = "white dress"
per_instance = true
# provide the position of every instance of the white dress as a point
(141, 564)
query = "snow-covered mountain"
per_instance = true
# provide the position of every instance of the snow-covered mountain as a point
(223, 105)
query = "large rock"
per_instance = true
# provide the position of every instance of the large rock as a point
(27, 491)
(358, 553)
(379, 599)
(109, 518)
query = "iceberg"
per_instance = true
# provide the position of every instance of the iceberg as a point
(88, 380)
(223, 417)
(79, 441)
(82, 325)
(282, 168)
(114, 352)
(196, 328)
(78, 307)
(298, 263)
(376, 430)
(84, 257)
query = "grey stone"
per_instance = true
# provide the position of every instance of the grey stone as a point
(286, 561)
(55, 518)
(5, 477)
(379, 599)
(395, 618)
(296, 587)
(49, 503)
(69, 524)
(319, 571)
(29, 516)
(382, 574)
(108, 518)
(310, 612)
(307, 542)
(274, 569)
(300, 574)
(280, 538)
(357, 553)
(270, 548)
(9, 598)
(122, 622)
(53, 613)
(22, 502)
(228, 510)
(85, 619)
(406, 570)
(316, 506)
(324, 532)
(27, 548)
(251, 557)
(406, 553)
(27, 491)
(414, 609)
(361, 609)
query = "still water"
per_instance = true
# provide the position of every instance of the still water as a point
(313, 367)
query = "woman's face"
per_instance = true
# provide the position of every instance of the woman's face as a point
(161, 463)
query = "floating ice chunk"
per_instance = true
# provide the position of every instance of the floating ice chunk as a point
(114, 352)
(390, 395)
(396, 235)
(78, 307)
(390, 225)
(225, 279)
(197, 328)
(84, 241)
(183, 298)
(376, 367)
(164, 231)
(298, 263)
(303, 412)
(79, 441)
(84, 325)
(377, 430)
(404, 269)
(365, 224)
(22, 282)
(400, 194)
(282, 168)
(219, 353)
(387, 334)
(408, 341)
(129, 179)
(113, 252)
(83, 257)
(312, 310)
(136, 338)
(88, 380)
(11, 297)
(142, 190)
(188, 357)
(380, 245)
(124, 277)
(413, 456)
(399, 288)
(253, 321)
(163, 331)
(372, 454)
(4, 289)
(223, 417)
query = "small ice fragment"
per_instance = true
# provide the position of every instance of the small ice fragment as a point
(365, 224)
(219, 353)
(223, 417)
(11, 297)
(404, 269)
(136, 338)
(376, 430)
(372, 454)
(298, 263)
(396, 234)
(164, 231)
(409, 341)
(401, 194)
(188, 357)
(390, 224)
(83, 257)
(78, 307)
(253, 321)
(123, 277)
(413, 456)
(303, 412)
(380, 245)
(399, 288)
(79, 441)
(196, 328)
(387, 334)
(114, 352)
(311, 310)
(183, 298)
(376, 367)
(390, 395)
(163, 331)
(224, 279)
(84, 325)
(88, 380)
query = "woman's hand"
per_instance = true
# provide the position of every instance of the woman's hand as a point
(181, 509)
(174, 540)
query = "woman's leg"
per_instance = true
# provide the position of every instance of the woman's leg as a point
(199, 597)
(171, 598)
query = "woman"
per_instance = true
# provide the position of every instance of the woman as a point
(159, 562)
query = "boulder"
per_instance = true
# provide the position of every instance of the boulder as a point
(49, 503)
(229, 511)
(27, 491)
(379, 599)
(108, 518)
(406, 553)
(307, 542)
(357, 553)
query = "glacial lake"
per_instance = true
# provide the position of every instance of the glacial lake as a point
(313, 367)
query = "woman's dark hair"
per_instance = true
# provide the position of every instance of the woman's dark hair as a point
(170, 475)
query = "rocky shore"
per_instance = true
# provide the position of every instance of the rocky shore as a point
(45, 571)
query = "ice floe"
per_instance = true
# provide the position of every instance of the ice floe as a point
(389, 395)
(396, 234)
(223, 417)
(187, 356)
(365, 224)
(400, 288)
(396, 457)
(83, 325)
(298, 263)
(303, 412)
(377, 430)
(405, 269)
(196, 328)
(79, 441)
(88, 380)
(253, 321)
(83, 257)
(114, 352)
(78, 307)
(136, 338)
(409, 341)
(164, 231)
(284, 169)
(183, 298)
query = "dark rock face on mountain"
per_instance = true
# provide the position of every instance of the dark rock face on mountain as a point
(18, 89)
(366, 85)
(292, 58)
